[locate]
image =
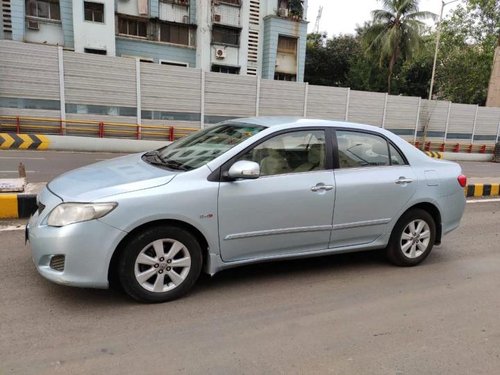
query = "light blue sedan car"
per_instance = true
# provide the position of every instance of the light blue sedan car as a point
(243, 191)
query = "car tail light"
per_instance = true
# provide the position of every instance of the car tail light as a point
(462, 180)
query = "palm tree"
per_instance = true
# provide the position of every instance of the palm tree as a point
(395, 32)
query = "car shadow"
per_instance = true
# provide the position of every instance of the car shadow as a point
(257, 275)
(296, 268)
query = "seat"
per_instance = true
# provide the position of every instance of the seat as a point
(273, 163)
(315, 159)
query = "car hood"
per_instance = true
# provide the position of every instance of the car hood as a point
(110, 177)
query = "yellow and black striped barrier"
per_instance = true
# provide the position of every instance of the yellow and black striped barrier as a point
(17, 206)
(14, 206)
(23, 141)
(434, 154)
(482, 190)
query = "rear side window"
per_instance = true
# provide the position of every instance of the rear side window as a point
(357, 149)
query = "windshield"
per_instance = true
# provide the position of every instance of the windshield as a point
(201, 147)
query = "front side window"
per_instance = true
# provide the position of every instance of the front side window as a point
(43, 9)
(201, 147)
(93, 12)
(294, 152)
(357, 149)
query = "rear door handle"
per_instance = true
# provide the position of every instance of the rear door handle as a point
(403, 180)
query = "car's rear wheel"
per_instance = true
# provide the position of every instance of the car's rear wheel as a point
(160, 264)
(412, 238)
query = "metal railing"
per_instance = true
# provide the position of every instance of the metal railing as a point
(109, 129)
(91, 128)
(454, 147)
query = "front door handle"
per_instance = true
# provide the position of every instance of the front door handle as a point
(322, 186)
(403, 180)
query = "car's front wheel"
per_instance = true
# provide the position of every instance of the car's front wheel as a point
(412, 238)
(160, 264)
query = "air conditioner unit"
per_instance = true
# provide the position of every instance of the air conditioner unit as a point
(183, 2)
(217, 18)
(220, 53)
(283, 12)
(33, 25)
(185, 19)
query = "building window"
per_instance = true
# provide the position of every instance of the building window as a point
(287, 44)
(225, 35)
(232, 2)
(174, 33)
(43, 9)
(132, 26)
(285, 77)
(178, 2)
(291, 8)
(226, 69)
(95, 51)
(93, 12)
(174, 63)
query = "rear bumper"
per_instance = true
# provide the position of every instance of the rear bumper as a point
(453, 207)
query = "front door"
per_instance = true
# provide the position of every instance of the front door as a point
(288, 209)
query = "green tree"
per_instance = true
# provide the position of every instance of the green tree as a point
(469, 38)
(329, 63)
(395, 33)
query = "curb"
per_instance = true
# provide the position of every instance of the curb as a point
(17, 206)
(21, 206)
(482, 190)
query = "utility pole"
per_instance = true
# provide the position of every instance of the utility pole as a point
(318, 18)
(438, 37)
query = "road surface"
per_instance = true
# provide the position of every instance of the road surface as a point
(344, 314)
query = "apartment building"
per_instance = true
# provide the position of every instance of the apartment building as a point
(265, 38)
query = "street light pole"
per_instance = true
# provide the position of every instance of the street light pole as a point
(438, 37)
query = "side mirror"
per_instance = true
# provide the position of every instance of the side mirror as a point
(244, 169)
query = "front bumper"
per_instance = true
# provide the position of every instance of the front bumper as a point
(87, 248)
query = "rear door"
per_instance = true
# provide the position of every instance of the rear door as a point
(373, 183)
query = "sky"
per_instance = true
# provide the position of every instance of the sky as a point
(341, 16)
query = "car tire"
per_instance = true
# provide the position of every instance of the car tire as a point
(412, 238)
(160, 264)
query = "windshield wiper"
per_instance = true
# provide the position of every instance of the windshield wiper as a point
(154, 157)
(174, 164)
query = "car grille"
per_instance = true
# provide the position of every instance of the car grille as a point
(57, 262)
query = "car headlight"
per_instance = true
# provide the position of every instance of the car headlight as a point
(70, 213)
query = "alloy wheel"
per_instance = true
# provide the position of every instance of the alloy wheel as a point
(415, 238)
(162, 265)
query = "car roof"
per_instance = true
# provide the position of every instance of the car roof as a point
(270, 121)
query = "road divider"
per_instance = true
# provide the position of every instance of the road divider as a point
(434, 154)
(483, 190)
(24, 141)
(17, 206)
(11, 141)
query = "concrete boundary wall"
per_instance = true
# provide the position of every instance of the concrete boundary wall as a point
(37, 79)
